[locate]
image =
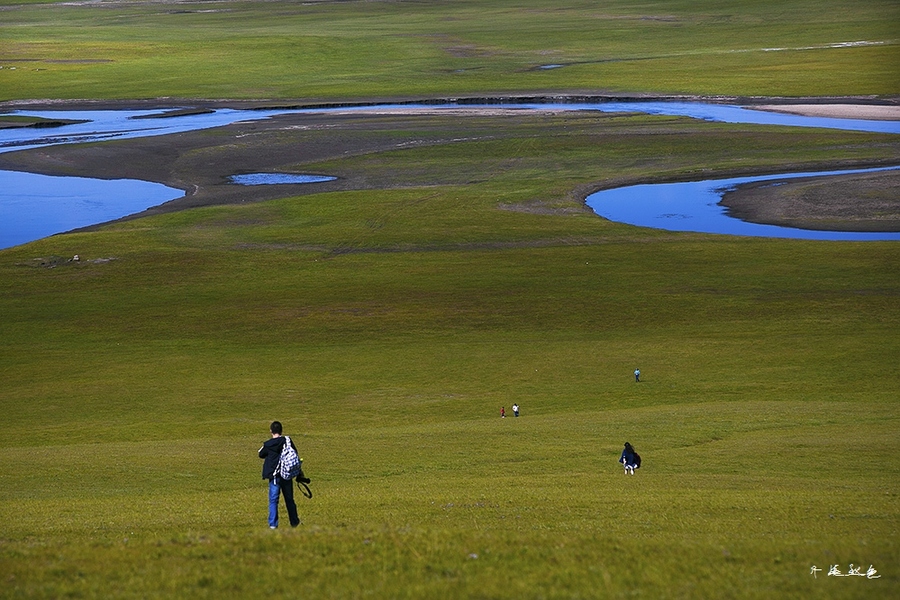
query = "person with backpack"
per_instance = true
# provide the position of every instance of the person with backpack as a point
(280, 467)
(630, 459)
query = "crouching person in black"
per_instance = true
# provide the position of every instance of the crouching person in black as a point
(271, 452)
(630, 459)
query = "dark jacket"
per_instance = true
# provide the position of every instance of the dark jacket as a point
(271, 452)
(630, 457)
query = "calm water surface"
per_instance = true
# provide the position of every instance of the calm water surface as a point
(694, 206)
(277, 178)
(34, 206)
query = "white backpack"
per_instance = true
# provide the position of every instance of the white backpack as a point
(288, 465)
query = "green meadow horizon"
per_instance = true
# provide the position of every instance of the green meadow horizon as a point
(455, 272)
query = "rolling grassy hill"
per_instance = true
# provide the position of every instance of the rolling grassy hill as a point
(452, 270)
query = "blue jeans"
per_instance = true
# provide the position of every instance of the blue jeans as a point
(285, 487)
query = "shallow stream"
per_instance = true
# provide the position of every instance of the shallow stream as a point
(35, 206)
(694, 206)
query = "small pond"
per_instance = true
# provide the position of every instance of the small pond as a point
(36, 206)
(277, 178)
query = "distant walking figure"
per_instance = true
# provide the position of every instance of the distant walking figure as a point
(516, 410)
(630, 459)
(502, 412)
(637, 375)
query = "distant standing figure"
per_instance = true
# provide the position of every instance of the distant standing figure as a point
(637, 375)
(630, 459)
(516, 410)
(502, 412)
(271, 452)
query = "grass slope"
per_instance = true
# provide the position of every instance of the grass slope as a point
(340, 49)
(450, 271)
(386, 324)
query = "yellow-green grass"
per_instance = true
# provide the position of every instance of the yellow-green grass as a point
(136, 392)
(327, 50)
(386, 327)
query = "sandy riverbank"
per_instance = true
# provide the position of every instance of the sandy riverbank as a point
(866, 112)
(843, 108)
(870, 112)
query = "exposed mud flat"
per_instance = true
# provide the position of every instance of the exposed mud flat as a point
(201, 164)
(865, 202)
(869, 112)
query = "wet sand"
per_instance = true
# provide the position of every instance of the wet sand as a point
(869, 112)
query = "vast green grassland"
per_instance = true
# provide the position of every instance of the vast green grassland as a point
(386, 326)
(340, 49)
(452, 270)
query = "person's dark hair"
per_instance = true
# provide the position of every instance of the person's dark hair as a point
(275, 427)
(628, 446)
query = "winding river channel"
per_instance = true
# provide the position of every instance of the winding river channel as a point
(694, 206)
(35, 206)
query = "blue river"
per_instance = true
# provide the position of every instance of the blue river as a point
(694, 206)
(35, 206)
